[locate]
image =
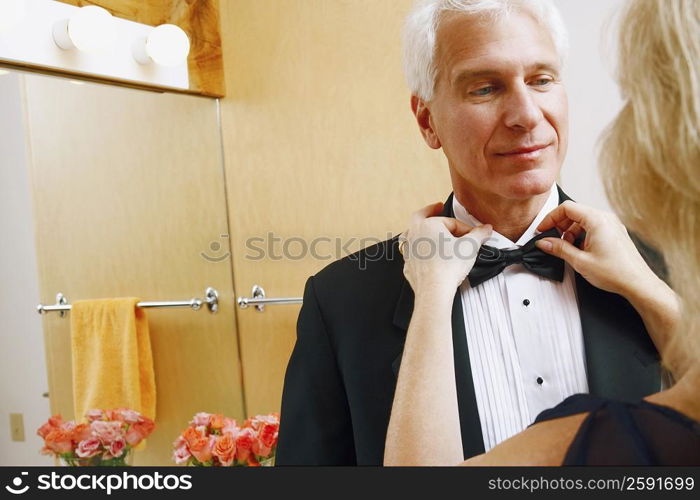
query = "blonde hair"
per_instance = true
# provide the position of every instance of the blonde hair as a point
(650, 156)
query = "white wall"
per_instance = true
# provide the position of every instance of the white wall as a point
(594, 98)
(22, 365)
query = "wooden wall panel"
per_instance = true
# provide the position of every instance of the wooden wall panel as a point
(319, 142)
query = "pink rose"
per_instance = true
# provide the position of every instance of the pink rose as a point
(68, 426)
(230, 426)
(88, 448)
(94, 414)
(130, 416)
(201, 419)
(116, 447)
(114, 415)
(181, 454)
(133, 436)
(260, 420)
(107, 431)
(179, 442)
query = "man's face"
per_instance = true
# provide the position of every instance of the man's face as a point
(499, 110)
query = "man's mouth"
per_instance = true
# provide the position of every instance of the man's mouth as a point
(525, 152)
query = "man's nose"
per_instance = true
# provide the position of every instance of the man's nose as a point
(521, 109)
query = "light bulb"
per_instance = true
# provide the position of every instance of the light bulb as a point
(90, 29)
(11, 13)
(166, 45)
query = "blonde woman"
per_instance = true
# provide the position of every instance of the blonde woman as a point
(651, 165)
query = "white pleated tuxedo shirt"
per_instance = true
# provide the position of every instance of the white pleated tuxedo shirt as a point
(524, 338)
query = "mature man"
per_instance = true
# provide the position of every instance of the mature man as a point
(486, 87)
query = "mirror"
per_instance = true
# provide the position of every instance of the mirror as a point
(112, 192)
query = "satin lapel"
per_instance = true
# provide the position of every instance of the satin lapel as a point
(472, 440)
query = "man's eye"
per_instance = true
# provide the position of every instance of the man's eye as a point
(483, 91)
(542, 82)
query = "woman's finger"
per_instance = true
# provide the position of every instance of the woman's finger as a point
(560, 248)
(573, 232)
(480, 234)
(427, 211)
(456, 227)
(564, 215)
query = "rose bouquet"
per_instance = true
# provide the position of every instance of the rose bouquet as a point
(105, 439)
(217, 441)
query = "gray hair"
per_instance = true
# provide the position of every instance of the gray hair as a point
(423, 22)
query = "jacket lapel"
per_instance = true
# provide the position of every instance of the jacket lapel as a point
(621, 361)
(472, 440)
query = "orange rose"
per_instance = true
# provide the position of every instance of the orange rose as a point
(191, 435)
(202, 448)
(216, 421)
(59, 440)
(82, 432)
(225, 449)
(145, 427)
(244, 443)
(266, 439)
(44, 430)
(55, 420)
(51, 424)
(138, 431)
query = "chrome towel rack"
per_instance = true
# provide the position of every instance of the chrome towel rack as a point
(211, 299)
(259, 301)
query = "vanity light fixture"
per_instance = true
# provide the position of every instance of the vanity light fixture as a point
(91, 29)
(166, 45)
(60, 36)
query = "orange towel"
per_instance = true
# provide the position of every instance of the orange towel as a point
(112, 358)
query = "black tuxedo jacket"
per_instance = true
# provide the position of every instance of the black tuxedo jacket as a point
(341, 377)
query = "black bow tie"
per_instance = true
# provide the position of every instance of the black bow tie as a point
(491, 261)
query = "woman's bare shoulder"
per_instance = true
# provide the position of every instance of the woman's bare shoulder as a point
(545, 443)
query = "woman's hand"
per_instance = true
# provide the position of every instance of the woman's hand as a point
(608, 258)
(610, 261)
(439, 251)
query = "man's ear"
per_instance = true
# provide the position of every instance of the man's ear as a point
(425, 122)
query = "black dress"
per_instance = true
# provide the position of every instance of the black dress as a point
(619, 433)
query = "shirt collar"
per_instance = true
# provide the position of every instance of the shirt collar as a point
(498, 240)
